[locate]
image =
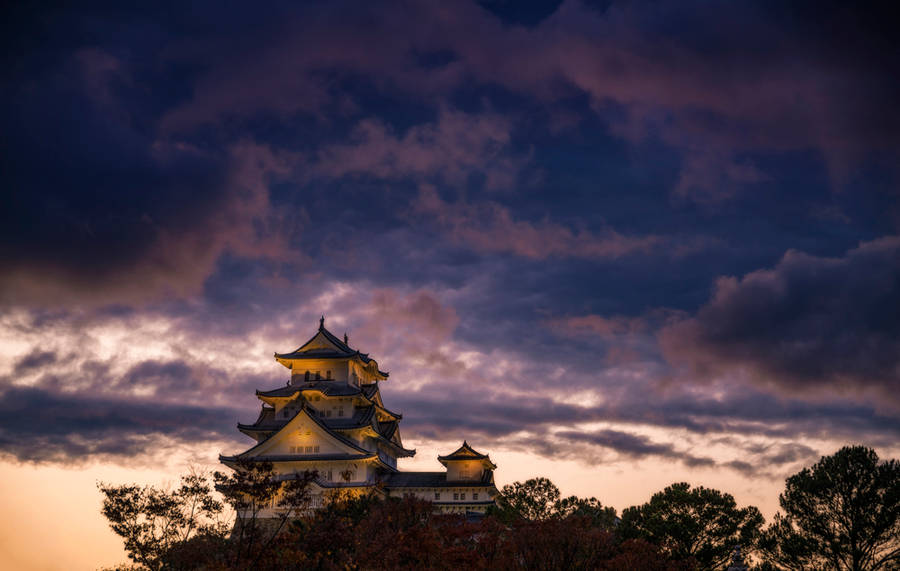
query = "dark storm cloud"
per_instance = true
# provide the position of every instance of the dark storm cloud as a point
(127, 177)
(47, 426)
(714, 81)
(97, 207)
(434, 412)
(34, 360)
(808, 324)
(630, 444)
(92, 408)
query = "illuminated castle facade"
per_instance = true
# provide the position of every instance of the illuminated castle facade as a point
(330, 418)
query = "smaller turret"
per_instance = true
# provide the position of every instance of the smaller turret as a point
(465, 464)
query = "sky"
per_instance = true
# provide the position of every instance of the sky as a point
(617, 244)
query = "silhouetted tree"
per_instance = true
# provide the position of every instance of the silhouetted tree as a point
(843, 513)
(152, 520)
(251, 488)
(532, 499)
(600, 516)
(539, 499)
(700, 524)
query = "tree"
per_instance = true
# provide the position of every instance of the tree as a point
(252, 488)
(843, 513)
(600, 516)
(700, 524)
(533, 500)
(152, 520)
(539, 499)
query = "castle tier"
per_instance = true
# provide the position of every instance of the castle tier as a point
(330, 418)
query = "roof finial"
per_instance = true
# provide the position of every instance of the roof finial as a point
(346, 338)
(322, 323)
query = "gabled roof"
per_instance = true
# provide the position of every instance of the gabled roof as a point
(331, 389)
(466, 452)
(325, 345)
(364, 417)
(257, 450)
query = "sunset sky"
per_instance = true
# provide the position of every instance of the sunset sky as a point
(616, 244)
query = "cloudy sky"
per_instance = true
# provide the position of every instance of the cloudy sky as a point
(617, 244)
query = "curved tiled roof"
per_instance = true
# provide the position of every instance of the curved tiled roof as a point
(466, 452)
(328, 388)
(341, 351)
(433, 480)
(299, 458)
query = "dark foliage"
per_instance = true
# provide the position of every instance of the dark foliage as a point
(843, 513)
(152, 521)
(539, 499)
(700, 524)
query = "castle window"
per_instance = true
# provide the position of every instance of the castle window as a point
(306, 376)
(328, 412)
(462, 496)
(437, 495)
(309, 449)
(455, 495)
(341, 411)
(318, 375)
(316, 450)
(475, 496)
(329, 475)
(328, 374)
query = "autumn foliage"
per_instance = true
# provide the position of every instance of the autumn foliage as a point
(843, 513)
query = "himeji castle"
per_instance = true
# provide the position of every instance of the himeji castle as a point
(330, 417)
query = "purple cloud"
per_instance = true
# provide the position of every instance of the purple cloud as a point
(808, 325)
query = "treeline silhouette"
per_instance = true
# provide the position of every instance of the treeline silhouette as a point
(841, 513)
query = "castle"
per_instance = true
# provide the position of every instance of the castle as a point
(330, 418)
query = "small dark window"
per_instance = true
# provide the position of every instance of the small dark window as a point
(475, 496)
(437, 495)
(318, 376)
(455, 495)
(306, 376)
(462, 496)
(327, 374)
